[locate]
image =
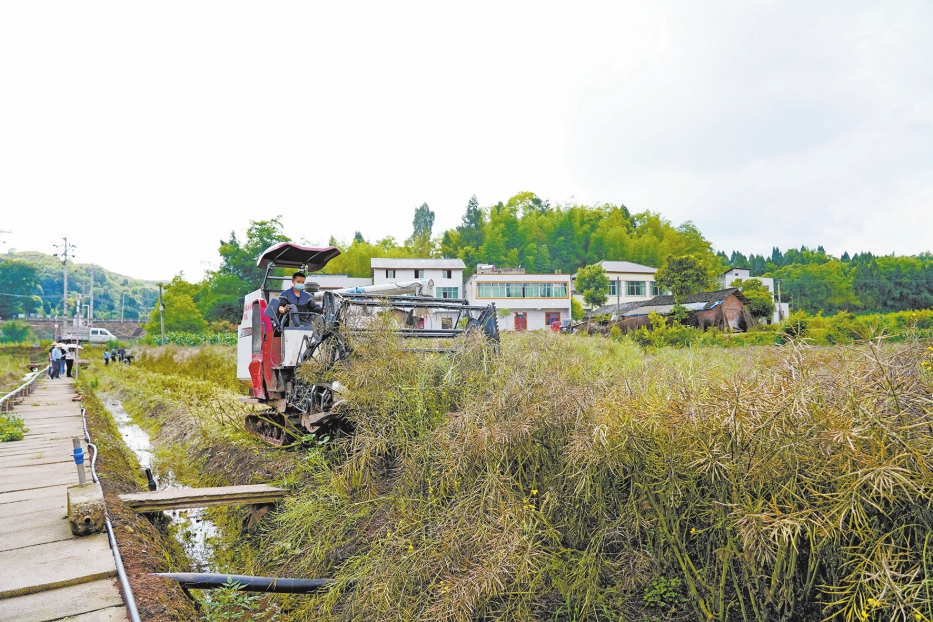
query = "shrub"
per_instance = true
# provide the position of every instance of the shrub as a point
(15, 331)
(12, 428)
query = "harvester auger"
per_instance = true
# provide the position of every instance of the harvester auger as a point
(270, 352)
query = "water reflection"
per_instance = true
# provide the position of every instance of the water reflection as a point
(193, 530)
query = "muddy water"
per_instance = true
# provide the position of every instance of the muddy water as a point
(191, 528)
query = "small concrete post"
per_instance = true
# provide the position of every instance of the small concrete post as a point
(78, 453)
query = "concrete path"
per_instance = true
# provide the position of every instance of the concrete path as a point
(48, 574)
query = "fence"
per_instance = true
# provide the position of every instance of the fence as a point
(8, 401)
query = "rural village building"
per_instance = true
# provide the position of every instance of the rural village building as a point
(781, 310)
(628, 282)
(524, 301)
(331, 282)
(724, 309)
(447, 274)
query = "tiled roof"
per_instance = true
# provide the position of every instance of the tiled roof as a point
(717, 296)
(378, 263)
(626, 266)
(617, 309)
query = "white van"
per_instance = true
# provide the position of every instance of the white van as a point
(94, 335)
(101, 335)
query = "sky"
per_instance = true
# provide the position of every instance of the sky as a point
(147, 132)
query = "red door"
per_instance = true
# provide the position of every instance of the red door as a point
(521, 321)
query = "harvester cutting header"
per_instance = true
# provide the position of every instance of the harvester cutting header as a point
(283, 327)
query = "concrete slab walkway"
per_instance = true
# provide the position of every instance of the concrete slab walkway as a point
(47, 573)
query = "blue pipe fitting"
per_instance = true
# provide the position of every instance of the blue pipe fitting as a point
(78, 455)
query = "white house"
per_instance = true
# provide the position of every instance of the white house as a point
(628, 282)
(524, 301)
(781, 310)
(447, 274)
(330, 282)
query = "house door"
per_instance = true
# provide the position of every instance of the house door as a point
(521, 321)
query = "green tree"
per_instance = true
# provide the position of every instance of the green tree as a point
(239, 259)
(181, 314)
(422, 225)
(576, 309)
(683, 275)
(423, 222)
(761, 301)
(17, 282)
(593, 283)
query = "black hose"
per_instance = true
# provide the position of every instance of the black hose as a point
(210, 580)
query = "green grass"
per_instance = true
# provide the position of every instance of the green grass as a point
(583, 478)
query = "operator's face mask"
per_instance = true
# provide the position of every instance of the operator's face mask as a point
(298, 286)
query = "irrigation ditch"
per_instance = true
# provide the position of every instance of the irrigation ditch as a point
(143, 427)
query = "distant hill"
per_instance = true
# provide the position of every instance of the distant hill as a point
(138, 296)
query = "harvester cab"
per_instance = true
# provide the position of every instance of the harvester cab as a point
(272, 346)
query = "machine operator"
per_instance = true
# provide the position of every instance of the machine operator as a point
(297, 302)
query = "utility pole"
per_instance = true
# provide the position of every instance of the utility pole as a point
(65, 249)
(162, 314)
(90, 314)
(122, 305)
(780, 308)
(618, 295)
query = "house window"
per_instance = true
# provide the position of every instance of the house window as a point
(655, 290)
(551, 317)
(613, 288)
(447, 292)
(449, 274)
(521, 290)
(390, 274)
(419, 274)
(634, 288)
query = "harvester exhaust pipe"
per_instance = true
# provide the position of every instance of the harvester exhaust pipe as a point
(210, 580)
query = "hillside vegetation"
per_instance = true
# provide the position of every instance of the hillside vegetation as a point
(40, 275)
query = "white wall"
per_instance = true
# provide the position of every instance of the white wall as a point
(408, 274)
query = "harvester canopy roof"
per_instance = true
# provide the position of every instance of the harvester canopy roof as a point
(288, 255)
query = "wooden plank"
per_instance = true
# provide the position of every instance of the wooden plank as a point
(56, 564)
(35, 528)
(100, 595)
(182, 498)
(111, 614)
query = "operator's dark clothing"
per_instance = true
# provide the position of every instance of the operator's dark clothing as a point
(297, 302)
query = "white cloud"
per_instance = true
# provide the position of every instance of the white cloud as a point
(146, 133)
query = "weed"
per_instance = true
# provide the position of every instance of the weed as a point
(12, 428)
(664, 593)
(230, 604)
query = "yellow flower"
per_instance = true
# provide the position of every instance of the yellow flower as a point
(693, 531)
(534, 491)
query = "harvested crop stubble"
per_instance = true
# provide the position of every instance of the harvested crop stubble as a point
(581, 479)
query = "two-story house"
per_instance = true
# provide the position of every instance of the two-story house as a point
(628, 282)
(727, 278)
(524, 301)
(447, 274)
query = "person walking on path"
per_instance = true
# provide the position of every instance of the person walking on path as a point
(55, 356)
(71, 354)
(106, 357)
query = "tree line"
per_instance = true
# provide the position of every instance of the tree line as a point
(521, 231)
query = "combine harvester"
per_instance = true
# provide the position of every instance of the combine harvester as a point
(269, 352)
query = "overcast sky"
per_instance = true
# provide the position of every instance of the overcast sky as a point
(146, 132)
